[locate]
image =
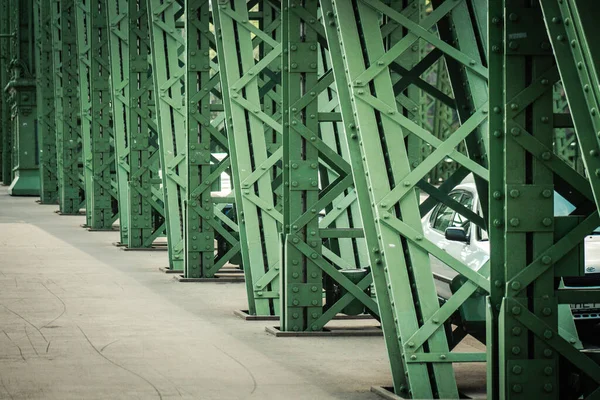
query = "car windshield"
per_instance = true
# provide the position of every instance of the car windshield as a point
(562, 208)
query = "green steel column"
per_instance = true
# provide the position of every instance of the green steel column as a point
(100, 167)
(21, 89)
(168, 71)
(69, 144)
(303, 279)
(45, 103)
(249, 51)
(5, 132)
(532, 344)
(118, 55)
(387, 180)
(362, 193)
(146, 206)
(205, 220)
(496, 189)
(324, 251)
(84, 54)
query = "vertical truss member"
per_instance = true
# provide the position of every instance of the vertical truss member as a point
(5, 133)
(136, 140)
(373, 40)
(146, 206)
(324, 251)
(96, 124)
(208, 217)
(118, 55)
(249, 47)
(84, 52)
(45, 102)
(168, 73)
(534, 251)
(21, 90)
(69, 145)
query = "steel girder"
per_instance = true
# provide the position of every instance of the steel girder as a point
(168, 72)
(249, 48)
(96, 124)
(208, 217)
(21, 89)
(118, 50)
(372, 36)
(142, 219)
(5, 132)
(84, 51)
(69, 144)
(45, 102)
(582, 81)
(529, 351)
(324, 250)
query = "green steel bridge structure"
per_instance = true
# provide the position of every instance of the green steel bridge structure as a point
(339, 124)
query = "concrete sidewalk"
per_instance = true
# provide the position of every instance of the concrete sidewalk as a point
(82, 319)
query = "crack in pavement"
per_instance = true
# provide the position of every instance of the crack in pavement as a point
(119, 365)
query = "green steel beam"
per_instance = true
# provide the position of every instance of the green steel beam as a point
(496, 188)
(21, 90)
(169, 71)
(5, 133)
(249, 48)
(45, 103)
(325, 254)
(208, 153)
(69, 144)
(118, 55)
(582, 84)
(96, 121)
(374, 37)
(142, 220)
(146, 206)
(105, 202)
(533, 349)
(84, 55)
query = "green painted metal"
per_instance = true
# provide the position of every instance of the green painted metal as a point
(169, 71)
(324, 251)
(532, 351)
(96, 121)
(565, 140)
(21, 89)
(249, 47)
(84, 54)
(496, 188)
(373, 37)
(142, 220)
(208, 218)
(69, 145)
(146, 207)
(581, 37)
(45, 103)
(118, 55)
(5, 134)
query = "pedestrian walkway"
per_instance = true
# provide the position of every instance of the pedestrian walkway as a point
(82, 319)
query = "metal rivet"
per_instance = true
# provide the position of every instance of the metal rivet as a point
(546, 260)
(517, 388)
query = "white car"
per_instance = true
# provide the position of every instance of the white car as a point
(471, 245)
